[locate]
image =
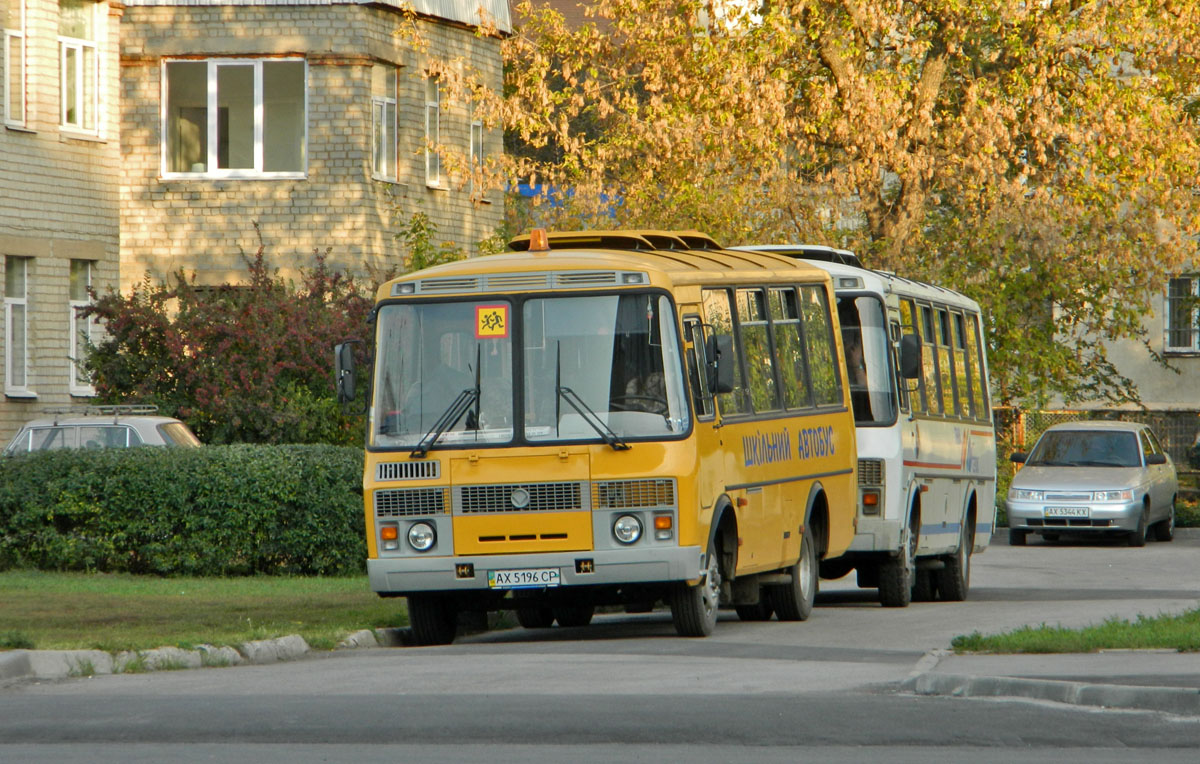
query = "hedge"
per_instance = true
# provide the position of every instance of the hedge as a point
(216, 510)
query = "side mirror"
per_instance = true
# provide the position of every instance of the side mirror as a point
(910, 356)
(1018, 457)
(719, 349)
(1156, 459)
(343, 362)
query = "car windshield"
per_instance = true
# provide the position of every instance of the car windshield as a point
(864, 336)
(1085, 448)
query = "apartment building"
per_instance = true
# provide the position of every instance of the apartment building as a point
(310, 118)
(59, 193)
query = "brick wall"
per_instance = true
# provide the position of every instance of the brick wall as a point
(205, 225)
(58, 201)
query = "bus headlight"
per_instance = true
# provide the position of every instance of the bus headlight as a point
(421, 537)
(627, 529)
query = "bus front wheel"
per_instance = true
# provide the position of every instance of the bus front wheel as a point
(694, 607)
(434, 619)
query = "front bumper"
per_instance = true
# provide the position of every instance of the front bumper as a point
(409, 574)
(1031, 516)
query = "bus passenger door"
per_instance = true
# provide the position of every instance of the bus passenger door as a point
(710, 472)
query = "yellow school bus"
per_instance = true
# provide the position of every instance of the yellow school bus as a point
(606, 418)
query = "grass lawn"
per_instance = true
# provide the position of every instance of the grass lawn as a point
(51, 611)
(1175, 632)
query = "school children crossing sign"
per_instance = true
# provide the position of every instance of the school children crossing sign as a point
(491, 321)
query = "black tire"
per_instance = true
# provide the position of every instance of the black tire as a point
(570, 617)
(760, 612)
(434, 619)
(924, 586)
(954, 580)
(896, 574)
(1138, 537)
(1016, 537)
(794, 601)
(540, 617)
(694, 608)
(1164, 530)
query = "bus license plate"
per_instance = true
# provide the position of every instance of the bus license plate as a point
(523, 578)
(1067, 512)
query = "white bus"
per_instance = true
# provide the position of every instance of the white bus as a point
(926, 444)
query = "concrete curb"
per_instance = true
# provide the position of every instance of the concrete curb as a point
(1173, 700)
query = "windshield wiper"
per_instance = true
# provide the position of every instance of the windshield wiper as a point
(454, 412)
(585, 411)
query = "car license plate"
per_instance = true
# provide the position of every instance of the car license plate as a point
(1068, 512)
(523, 578)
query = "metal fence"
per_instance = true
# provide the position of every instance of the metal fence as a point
(1018, 430)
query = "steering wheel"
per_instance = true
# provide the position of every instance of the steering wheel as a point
(619, 402)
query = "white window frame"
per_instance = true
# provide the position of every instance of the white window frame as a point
(1169, 311)
(383, 138)
(477, 157)
(11, 364)
(433, 133)
(14, 42)
(211, 170)
(83, 100)
(80, 326)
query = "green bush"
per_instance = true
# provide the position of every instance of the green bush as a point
(217, 510)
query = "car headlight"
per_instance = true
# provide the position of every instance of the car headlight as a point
(421, 537)
(1023, 494)
(627, 529)
(1122, 495)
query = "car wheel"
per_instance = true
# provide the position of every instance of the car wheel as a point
(1017, 537)
(896, 574)
(794, 601)
(1164, 530)
(434, 619)
(694, 607)
(569, 617)
(535, 617)
(1138, 537)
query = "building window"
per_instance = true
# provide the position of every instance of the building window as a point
(433, 133)
(81, 326)
(383, 122)
(16, 326)
(1183, 315)
(14, 61)
(79, 64)
(477, 189)
(235, 118)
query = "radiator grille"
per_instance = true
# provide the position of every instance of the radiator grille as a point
(410, 502)
(1068, 496)
(424, 470)
(542, 497)
(870, 472)
(629, 494)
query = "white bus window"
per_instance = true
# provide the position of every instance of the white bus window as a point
(979, 388)
(945, 367)
(962, 372)
(933, 391)
(868, 360)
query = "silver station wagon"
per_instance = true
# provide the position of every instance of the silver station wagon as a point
(102, 427)
(1094, 477)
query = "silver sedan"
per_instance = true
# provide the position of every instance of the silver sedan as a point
(1094, 477)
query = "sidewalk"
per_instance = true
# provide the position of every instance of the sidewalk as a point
(1151, 680)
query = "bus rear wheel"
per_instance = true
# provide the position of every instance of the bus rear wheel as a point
(896, 574)
(794, 601)
(954, 579)
(434, 619)
(694, 607)
(535, 617)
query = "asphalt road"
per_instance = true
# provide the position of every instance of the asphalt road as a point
(627, 689)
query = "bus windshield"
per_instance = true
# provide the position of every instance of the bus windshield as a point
(610, 360)
(595, 368)
(868, 360)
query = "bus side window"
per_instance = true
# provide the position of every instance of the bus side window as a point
(945, 362)
(789, 348)
(719, 316)
(979, 383)
(697, 363)
(908, 325)
(933, 391)
(756, 346)
(824, 369)
(901, 382)
(962, 372)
